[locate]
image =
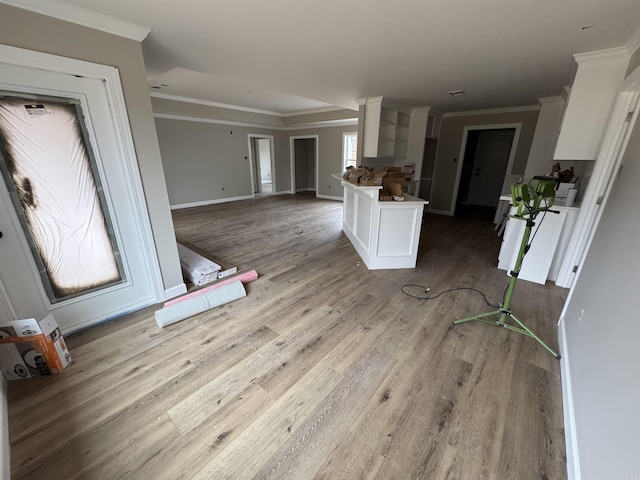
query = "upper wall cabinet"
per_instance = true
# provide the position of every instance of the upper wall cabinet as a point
(386, 130)
(593, 94)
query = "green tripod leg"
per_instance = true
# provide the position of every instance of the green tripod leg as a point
(504, 311)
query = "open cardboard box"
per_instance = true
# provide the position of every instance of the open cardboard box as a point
(31, 348)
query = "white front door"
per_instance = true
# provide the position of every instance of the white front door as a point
(122, 243)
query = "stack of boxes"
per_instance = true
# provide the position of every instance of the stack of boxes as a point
(196, 268)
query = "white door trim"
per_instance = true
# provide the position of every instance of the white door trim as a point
(124, 140)
(292, 156)
(463, 148)
(607, 163)
(252, 161)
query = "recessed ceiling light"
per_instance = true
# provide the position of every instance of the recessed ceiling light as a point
(456, 93)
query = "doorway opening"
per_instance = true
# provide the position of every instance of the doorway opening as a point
(484, 171)
(262, 164)
(304, 164)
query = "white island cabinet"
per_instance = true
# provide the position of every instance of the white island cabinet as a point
(385, 234)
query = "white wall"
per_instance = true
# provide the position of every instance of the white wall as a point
(264, 154)
(600, 325)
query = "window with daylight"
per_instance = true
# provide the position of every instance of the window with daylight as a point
(349, 149)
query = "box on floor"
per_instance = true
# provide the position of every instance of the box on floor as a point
(31, 348)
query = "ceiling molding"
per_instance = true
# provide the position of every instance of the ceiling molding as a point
(555, 99)
(82, 16)
(493, 111)
(609, 53)
(216, 121)
(209, 103)
(228, 106)
(315, 110)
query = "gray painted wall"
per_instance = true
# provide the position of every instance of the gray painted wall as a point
(203, 161)
(449, 142)
(49, 35)
(174, 135)
(603, 347)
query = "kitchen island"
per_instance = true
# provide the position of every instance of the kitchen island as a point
(384, 233)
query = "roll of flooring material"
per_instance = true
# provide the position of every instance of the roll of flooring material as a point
(200, 303)
(243, 277)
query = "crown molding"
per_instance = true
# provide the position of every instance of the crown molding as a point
(209, 103)
(607, 54)
(82, 16)
(301, 126)
(314, 110)
(551, 99)
(493, 111)
(228, 106)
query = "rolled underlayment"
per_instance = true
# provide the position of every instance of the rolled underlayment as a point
(245, 277)
(200, 303)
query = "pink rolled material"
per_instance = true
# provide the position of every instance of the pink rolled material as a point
(246, 277)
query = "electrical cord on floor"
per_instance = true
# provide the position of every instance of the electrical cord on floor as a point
(426, 291)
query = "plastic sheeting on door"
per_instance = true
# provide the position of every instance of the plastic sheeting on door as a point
(48, 168)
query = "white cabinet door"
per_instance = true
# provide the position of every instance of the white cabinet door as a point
(544, 240)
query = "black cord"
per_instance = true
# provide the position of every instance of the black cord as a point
(428, 297)
(544, 213)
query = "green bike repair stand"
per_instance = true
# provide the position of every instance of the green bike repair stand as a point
(528, 205)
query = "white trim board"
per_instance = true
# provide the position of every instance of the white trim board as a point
(233, 123)
(493, 111)
(175, 291)
(211, 202)
(82, 16)
(329, 197)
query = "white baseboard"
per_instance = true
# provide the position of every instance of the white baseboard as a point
(211, 202)
(283, 192)
(570, 439)
(440, 212)
(175, 291)
(5, 465)
(308, 189)
(329, 197)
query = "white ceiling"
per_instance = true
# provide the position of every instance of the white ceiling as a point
(289, 55)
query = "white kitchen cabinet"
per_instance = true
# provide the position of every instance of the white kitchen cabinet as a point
(385, 234)
(590, 103)
(386, 130)
(551, 234)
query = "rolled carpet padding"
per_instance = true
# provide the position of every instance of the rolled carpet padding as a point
(200, 303)
(245, 277)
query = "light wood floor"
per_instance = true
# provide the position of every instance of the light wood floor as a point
(324, 371)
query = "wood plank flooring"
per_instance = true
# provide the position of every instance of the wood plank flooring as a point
(326, 370)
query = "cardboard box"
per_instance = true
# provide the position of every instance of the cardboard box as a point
(31, 348)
